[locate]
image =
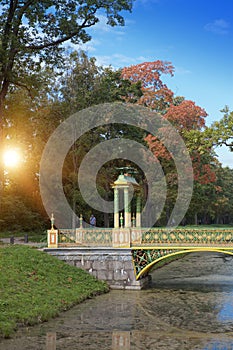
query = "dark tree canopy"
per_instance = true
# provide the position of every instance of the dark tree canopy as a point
(32, 32)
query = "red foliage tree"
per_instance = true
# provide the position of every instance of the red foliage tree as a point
(186, 116)
(156, 94)
(183, 114)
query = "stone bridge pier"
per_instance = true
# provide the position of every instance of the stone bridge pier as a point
(113, 265)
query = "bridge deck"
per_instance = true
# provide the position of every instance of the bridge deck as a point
(147, 237)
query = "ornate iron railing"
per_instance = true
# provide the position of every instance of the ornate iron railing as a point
(145, 237)
(86, 236)
(186, 236)
(67, 236)
(97, 236)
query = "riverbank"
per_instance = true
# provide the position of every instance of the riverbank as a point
(36, 287)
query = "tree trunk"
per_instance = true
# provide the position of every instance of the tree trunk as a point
(1, 152)
(106, 220)
(195, 219)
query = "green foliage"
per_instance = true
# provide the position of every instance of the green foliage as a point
(36, 101)
(86, 84)
(16, 214)
(221, 132)
(36, 287)
(34, 31)
(32, 34)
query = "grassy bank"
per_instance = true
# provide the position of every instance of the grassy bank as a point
(33, 236)
(35, 287)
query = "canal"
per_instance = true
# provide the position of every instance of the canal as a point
(189, 305)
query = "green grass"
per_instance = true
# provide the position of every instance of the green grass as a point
(32, 236)
(35, 287)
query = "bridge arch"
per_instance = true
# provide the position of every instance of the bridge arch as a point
(151, 257)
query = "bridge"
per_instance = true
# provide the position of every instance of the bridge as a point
(124, 256)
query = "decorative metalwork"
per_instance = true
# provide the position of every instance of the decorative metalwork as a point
(187, 236)
(97, 237)
(66, 236)
(145, 258)
(85, 237)
(153, 237)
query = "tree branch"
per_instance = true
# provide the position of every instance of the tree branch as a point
(64, 39)
(22, 85)
(227, 143)
(8, 25)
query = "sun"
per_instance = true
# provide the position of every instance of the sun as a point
(11, 158)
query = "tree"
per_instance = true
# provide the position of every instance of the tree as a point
(156, 94)
(20, 197)
(223, 205)
(185, 116)
(30, 122)
(221, 132)
(32, 34)
(85, 84)
(212, 203)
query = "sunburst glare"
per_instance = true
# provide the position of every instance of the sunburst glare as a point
(11, 158)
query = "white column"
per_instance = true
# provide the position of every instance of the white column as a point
(116, 207)
(138, 211)
(126, 206)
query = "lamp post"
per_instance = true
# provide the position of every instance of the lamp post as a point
(52, 222)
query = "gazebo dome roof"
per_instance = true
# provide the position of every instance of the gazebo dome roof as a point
(125, 180)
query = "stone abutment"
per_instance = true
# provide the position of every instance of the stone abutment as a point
(113, 265)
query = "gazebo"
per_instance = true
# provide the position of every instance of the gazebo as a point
(129, 219)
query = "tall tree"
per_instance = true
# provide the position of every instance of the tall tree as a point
(185, 116)
(156, 94)
(221, 132)
(85, 84)
(32, 34)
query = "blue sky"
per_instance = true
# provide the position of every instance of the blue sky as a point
(196, 36)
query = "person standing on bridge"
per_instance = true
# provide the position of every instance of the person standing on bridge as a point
(92, 220)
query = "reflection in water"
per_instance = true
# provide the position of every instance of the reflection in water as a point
(226, 312)
(51, 341)
(136, 340)
(186, 309)
(121, 341)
